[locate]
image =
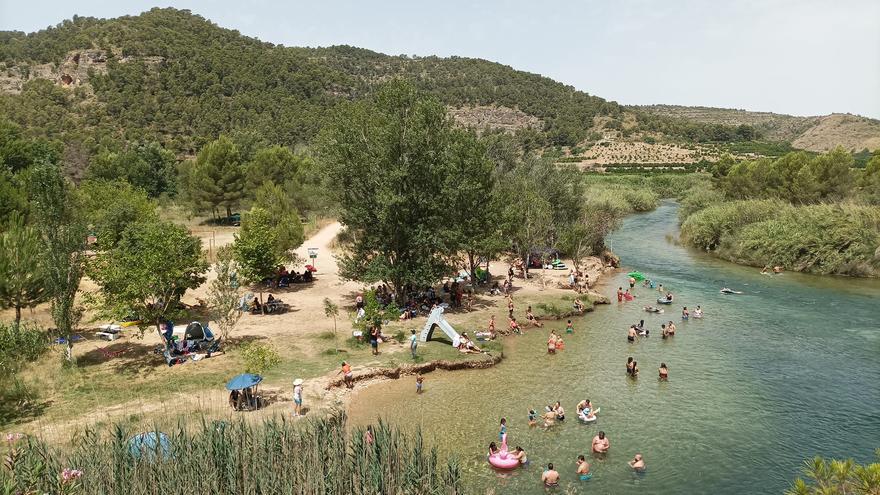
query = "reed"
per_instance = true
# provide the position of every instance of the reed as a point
(315, 456)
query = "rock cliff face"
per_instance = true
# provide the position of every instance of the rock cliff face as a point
(508, 119)
(71, 73)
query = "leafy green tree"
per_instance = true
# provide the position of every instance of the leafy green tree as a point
(282, 214)
(223, 294)
(217, 176)
(146, 166)
(389, 159)
(468, 185)
(64, 236)
(276, 164)
(258, 250)
(148, 271)
(870, 180)
(836, 477)
(110, 207)
(22, 267)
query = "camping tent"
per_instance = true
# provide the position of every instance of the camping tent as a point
(149, 445)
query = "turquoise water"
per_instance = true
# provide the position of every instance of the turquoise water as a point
(788, 370)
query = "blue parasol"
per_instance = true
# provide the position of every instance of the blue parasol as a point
(245, 380)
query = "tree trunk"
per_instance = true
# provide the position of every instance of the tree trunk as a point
(526, 267)
(262, 306)
(68, 351)
(17, 317)
(473, 267)
(228, 212)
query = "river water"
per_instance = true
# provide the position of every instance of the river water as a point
(787, 370)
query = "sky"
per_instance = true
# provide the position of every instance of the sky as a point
(804, 57)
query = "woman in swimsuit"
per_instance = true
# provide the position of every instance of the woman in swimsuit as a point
(629, 366)
(664, 372)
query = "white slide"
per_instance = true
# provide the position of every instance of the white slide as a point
(436, 320)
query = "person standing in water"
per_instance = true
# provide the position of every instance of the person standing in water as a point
(560, 412)
(583, 469)
(631, 334)
(502, 432)
(520, 455)
(664, 372)
(601, 444)
(660, 288)
(632, 282)
(620, 294)
(684, 313)
(629, 365)
(533, 417)
(698, 313)
(550, 477)
(569, 328)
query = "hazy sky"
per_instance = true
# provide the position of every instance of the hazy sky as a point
(803, 57)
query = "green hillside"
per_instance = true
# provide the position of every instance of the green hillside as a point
(174, 77)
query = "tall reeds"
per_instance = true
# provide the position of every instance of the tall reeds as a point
(278, 456)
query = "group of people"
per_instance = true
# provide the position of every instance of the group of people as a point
(632, 369)
(554, 342)
(550, 477)
(624, 295)
(578, 281)
(272, 305)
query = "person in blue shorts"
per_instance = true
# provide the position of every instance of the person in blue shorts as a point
(583, 469)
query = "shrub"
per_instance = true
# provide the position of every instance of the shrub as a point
(823, 239)
(706, 228)
(19, 346)
(259, 358)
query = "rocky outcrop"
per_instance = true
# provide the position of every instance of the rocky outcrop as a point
(415, 369)
(71, 73)
(491, 117)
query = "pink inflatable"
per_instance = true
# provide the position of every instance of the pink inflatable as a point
(503, 460)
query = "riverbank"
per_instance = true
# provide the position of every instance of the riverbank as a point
(136, 388)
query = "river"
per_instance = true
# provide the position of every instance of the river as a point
(787, 370)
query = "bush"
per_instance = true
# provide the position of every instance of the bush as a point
(259, 358)
(20, 346)
(705, 229)
(823, 239)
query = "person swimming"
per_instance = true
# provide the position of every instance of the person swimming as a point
(644, 332)
(698, 313)
(638, 463)
(533, 417)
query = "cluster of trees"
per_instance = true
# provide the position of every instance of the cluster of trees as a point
(799, 178)
(813, 213)
(419, 196)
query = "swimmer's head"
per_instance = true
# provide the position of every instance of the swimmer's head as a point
(581, 458)
(601, 435)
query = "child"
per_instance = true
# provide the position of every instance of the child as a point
(569, 328)
(419, 381)
(533, 417)
(502, 432)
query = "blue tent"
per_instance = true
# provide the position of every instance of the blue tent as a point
(150, 445)
(245, 380)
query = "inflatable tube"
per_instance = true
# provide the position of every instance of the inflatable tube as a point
(584, 419)
(730, 291)
(636, 275)
(663, 300)
(503, 460)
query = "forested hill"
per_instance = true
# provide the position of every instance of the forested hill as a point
(171, 76)
(175, 78)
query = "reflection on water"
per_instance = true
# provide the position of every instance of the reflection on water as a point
(785, 371)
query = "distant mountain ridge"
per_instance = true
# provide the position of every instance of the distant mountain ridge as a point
(170, 76)
(817, 133)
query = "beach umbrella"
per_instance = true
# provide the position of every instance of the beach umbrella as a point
(243, 381)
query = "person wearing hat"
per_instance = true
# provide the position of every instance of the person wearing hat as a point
(297, 397)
